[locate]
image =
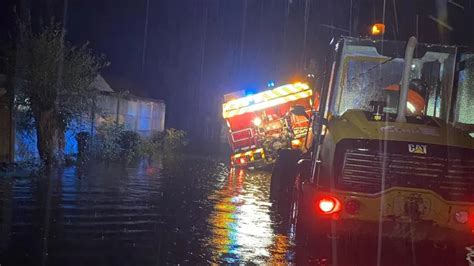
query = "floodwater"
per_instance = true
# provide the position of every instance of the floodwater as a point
(187, 210)
(184, 210)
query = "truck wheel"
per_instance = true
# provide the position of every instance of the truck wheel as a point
(300, 212)
(313, 247)
(283, 175)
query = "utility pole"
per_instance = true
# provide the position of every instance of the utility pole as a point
(145, 35)
(416, 27)
(395, 15)
(307, 9)
(202, 59)
(243, 25)
(350, 19)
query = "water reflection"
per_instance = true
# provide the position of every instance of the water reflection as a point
(186, 210)
(242, 221)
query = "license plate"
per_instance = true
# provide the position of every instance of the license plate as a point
(410, 206)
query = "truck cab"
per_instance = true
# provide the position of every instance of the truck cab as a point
(261, 123)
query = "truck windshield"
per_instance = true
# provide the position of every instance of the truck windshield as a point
(366, 75)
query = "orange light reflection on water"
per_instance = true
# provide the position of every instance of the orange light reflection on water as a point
(241, 222)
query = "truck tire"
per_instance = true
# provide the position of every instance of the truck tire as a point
(283, 176)
(313, 247)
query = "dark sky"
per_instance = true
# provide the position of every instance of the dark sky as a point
(197, 50)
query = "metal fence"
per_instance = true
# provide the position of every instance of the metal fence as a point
(141, 115)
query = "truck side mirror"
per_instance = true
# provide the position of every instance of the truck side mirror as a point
(304, 167)
(299, 110)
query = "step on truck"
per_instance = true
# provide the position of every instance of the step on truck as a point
(393, 152)
(260, 124)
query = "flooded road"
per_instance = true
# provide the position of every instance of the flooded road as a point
(243, 225)
(176, 211)
(186, 210)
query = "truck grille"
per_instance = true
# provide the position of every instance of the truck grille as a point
(363, 169)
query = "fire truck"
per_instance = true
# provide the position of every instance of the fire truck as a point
(393, 149)
(261, 123)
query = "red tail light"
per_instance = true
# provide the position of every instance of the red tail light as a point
(352, 206)
(328, 205)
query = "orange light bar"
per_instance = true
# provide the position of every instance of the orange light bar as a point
(266, 99)
(378, 29)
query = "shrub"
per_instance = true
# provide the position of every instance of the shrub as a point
(129, 146)
(108, 146)
(175, 140)
(153, 145)
(158, 139)
(115, 144)
(171, 141)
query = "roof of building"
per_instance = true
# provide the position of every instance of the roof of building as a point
(105, 88)
(100, 84)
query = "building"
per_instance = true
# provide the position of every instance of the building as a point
(142, 115)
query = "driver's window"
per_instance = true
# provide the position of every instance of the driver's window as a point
(465, 97)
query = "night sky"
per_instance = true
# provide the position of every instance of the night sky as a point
(196, 51)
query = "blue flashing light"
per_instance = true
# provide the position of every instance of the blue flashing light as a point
(271, 84)
(249, 92)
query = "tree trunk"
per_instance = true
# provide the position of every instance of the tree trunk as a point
(46, 133)
(61, 142)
